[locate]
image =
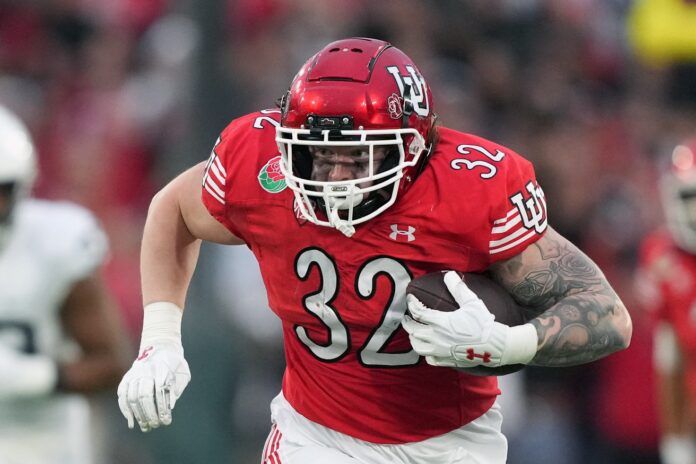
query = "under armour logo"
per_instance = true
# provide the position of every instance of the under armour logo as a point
(533, 209)
(145, 353)
(398, 234)
(471, 355)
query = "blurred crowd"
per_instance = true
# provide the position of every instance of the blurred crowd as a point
(121, 95)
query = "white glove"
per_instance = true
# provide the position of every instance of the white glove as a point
(678, 449)
(469, 336)
(25, 375)
(149, 390)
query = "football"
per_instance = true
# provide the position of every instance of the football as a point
(431, 290)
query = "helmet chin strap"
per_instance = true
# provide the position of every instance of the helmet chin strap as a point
(334, 205)
(342, 226)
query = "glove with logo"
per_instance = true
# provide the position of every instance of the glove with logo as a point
(149, 390)
(469, 336)
(158, 377)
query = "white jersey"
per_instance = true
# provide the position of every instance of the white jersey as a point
(52, 246)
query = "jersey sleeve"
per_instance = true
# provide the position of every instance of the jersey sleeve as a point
(519, 214)
(229, 173)
(214, 183)
(218, 177)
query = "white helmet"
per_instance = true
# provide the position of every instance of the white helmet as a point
(17, 167)
(678, 189)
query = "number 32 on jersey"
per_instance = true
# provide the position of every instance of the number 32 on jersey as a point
(319, 304)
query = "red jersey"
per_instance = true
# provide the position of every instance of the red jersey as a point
(670, 274)
(350, 365)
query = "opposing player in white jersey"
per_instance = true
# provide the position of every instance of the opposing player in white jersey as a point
(58, 334)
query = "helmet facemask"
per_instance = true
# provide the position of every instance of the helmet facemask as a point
(377, 167)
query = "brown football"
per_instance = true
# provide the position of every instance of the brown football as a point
(432, 291)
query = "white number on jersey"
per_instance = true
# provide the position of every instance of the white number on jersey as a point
(319, 305)
(258, 122)
(491, 170)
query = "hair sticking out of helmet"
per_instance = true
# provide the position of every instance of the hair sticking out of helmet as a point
(17, 168)
(678, 189)
(359, 113)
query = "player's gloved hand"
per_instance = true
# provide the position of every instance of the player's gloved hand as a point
(25, 375)
(149, 390)
(468, 336)
(677, 449)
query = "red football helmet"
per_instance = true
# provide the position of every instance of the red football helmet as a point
(679, 196)
(364, 94)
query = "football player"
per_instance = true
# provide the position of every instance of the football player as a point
(58, 332)
(668, 270)
(344, 194)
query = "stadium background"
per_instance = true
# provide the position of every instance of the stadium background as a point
(123, 94)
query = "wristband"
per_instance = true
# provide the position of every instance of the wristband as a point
(161, 324)
(521, 346)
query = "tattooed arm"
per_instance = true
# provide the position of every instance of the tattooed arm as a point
(579, 317)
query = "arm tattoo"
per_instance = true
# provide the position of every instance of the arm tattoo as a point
(577, 315)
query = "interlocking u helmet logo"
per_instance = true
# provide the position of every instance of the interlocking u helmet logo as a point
(418, 96)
